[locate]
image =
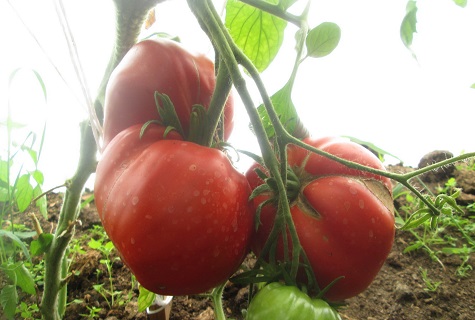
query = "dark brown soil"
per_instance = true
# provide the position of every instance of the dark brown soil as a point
(398, 292)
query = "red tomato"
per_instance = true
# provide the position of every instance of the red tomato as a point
(343, 217)
(177, 212)
(164, 66)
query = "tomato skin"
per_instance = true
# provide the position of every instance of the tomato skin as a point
(277, 301)
(178, 213)
(165, 66)
(350, 230)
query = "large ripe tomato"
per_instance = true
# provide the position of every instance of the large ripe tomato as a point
(178, 213)
(344, 217)
(164, 66)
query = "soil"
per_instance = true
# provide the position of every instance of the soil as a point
(398, 292)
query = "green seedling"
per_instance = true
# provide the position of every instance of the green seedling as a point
(431, 286)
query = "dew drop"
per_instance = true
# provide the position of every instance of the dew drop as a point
(361, 203)
(192, 167)
(132, 240)
(135, 200)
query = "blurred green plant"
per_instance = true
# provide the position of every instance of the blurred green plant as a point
(20, 185)
(451, 233)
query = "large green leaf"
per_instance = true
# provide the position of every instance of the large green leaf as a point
(323, 39)
(408, 25)
(259, 34)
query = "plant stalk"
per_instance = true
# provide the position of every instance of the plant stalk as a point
(207, 15)
(130, 16)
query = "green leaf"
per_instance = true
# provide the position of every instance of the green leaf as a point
(12, 125)
(408, 25)
(94, 244)
(259, 34)
(461, 3)
(25, 234)
(16, 240)
(38, 176)
(41, 203)
(23, 192)
(4, 194)
(9, 300)
(323, 39)
(145, 299)
(285, 109)
(40, 245)
(4, 170)
(286, 3)
(373, 147)
(24, 279)
(33, 154)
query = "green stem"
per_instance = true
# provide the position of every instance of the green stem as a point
(276, 10)
(217, 298)
(221, 39)
(130, 16)
(54, 257)
(217, 104)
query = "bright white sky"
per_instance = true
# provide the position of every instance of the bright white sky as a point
(370, 87)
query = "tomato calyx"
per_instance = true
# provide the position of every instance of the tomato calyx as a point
(169, 119)
(167, 113)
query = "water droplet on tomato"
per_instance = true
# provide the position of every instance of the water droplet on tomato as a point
(353, 190)
(192, 167)
(132, 240)
(361, 203)
(135, 200)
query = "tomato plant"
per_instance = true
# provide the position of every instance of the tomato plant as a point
(177, 212)
(343, 217)
(166, 67)
(277, 301)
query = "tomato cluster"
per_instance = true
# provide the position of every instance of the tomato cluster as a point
(181, 216)
(177, 212)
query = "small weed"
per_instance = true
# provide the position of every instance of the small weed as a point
(106, 247)
(450, 233)
(93, 312)
(431, 286)
(28, 311)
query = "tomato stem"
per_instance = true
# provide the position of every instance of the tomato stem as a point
(230, 54)
(217, 104)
